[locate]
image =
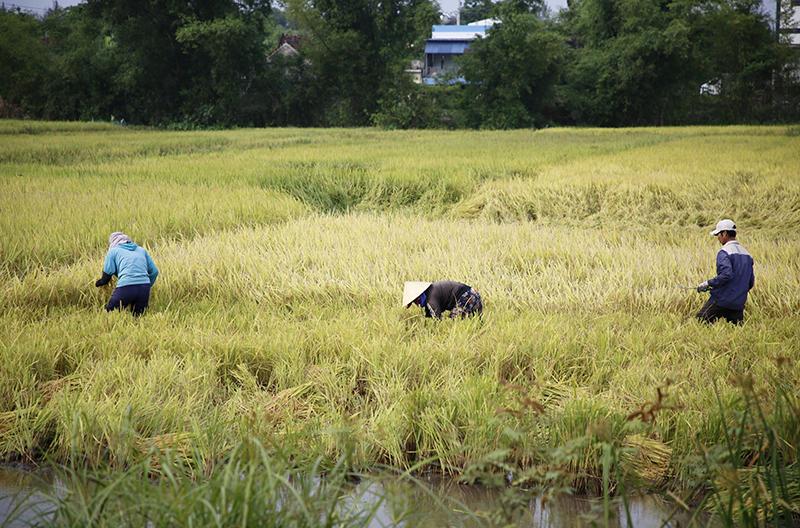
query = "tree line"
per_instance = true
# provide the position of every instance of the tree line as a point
(210, 63)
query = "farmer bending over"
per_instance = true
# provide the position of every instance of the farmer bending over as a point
(135, 270)
(734, 278)
(440, 296)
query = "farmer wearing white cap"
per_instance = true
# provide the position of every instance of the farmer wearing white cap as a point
(135, 270)
(734, 278)
(438, 297)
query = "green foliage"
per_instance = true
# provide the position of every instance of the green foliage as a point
(633, 64)
(354, 49)
(406, 105)
(184, 61)
(230, 49)
(740, 52)
(169, 62)
(89, 77)
(639, 62)
(210, 65)
(477, 10)
(753, 475)
(23, 63)
(511, 73)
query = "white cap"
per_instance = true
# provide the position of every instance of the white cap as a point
(412, 290)
(724, 225)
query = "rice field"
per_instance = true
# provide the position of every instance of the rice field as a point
(283, 254)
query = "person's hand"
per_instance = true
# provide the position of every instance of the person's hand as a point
(703, 287)
(99, 283)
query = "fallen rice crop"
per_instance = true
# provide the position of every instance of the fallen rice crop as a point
(283, 253)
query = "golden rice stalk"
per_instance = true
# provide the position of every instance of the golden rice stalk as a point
(179, 443)
(7, 420)
(291, 397)
(52, 387)
(647, 458)
(284, 402)
(554, 393)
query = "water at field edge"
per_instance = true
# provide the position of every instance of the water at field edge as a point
(442, 502)
(431, 502)
(23, 496)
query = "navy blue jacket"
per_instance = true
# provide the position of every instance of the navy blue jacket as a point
(734, 276)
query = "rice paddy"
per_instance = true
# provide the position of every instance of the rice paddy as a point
(283, 253)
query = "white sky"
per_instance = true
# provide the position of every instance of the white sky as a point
(449, 6)
(42, 5)
(37, 6)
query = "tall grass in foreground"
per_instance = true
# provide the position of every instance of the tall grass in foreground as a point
(254, 487)
(750, 479)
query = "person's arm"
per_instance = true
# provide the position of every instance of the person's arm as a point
(752, 280)
(724, 271)
(152, 270)
(432, 309)
(109, 269)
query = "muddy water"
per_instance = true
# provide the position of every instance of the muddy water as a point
(432, 502)
(23, 496)
(446, 503)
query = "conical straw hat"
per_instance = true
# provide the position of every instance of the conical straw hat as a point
(412, 290)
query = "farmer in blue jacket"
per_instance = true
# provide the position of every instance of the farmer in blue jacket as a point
(135, 270)
(734, 278)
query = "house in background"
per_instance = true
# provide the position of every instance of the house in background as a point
(415, 71)
(445, 45)
(288, 46)
(794, 24)
(790, 27)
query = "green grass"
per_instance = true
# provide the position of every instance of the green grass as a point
(283, 253)
(255, 487)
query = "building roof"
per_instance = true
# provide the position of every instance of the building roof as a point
(284, 50)
(288, 46)
(488, 22)
(446, 47)
(294, 41)
(440, 32)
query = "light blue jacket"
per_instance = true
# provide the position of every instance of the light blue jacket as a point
(131, 264)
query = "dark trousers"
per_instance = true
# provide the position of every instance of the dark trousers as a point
(134, 297)
(710, 312)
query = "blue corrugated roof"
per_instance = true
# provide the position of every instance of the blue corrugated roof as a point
(447, 47)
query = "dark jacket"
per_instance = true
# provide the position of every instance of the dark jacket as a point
(734, 278)
(442, 297)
